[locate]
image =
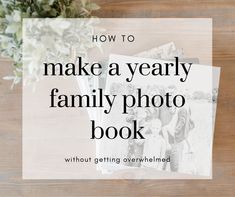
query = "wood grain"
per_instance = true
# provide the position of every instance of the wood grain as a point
(223, 183)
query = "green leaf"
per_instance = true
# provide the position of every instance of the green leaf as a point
(83, 2)
(2, 12)
(46, 8)
(11, 29)
(53, 12)
(51, 2)
(93, 6)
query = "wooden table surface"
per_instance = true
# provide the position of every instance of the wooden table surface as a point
(223, 183)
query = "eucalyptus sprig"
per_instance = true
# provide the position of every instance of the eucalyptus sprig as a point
(13, 11)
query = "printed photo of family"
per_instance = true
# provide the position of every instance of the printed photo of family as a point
(167, 130)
